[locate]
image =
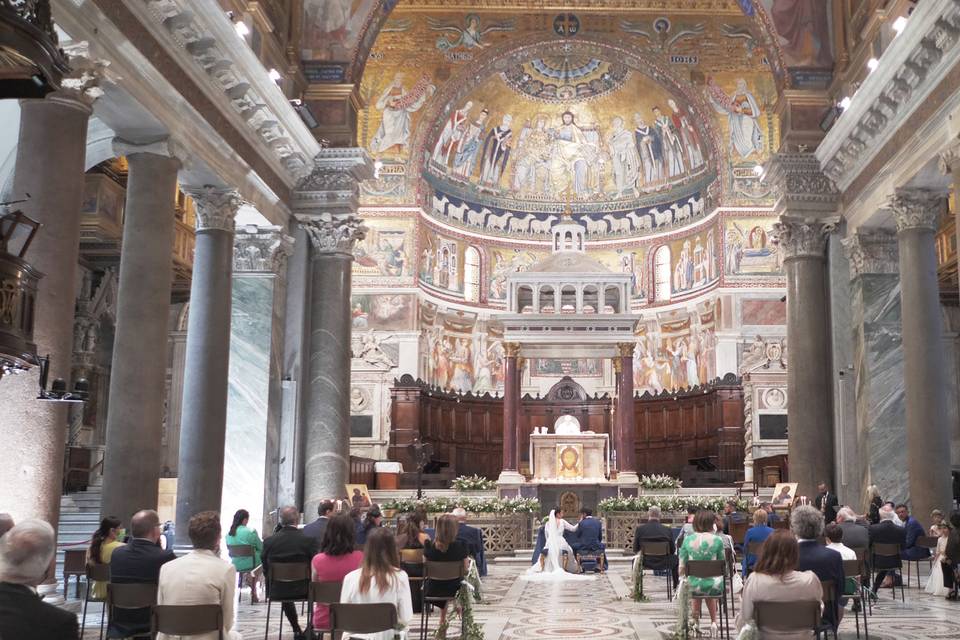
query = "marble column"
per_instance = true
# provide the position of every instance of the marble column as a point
(251, 450)
(327, 450)
(204, 416)
(49, 167)
(917, 214)
(810, 437)
(626, 429)
(950, 165)
(135, 419)
(510, 473)
(877, 380)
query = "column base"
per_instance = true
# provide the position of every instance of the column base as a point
(627, 478)
(510, 478)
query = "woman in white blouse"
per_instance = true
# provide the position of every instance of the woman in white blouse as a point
(379, 579)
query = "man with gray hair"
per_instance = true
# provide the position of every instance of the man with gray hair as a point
(886, 532)
(855, 535)
(654, 531)
(288, 544)
(806, 522)
(26, 554)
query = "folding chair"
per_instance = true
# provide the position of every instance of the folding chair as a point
(731, 569)
(134, 595)
(411, 561)
(829, 600)
(753, 549)
(95, 573)
(891, 552)
(187, 619)
(363, 618)
(322, 593)
(784, 617)
(281, 573)
(74, 564)
(658, 549)
(738, 531)
(437, 571)
(712, 569)
(926, 542)
(236, 551)
(852, 571)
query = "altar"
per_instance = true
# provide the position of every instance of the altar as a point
(568, 455)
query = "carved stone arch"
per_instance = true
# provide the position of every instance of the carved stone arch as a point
(567, 390)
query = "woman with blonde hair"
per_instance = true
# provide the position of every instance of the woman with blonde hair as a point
(873, 503)
(379, 579)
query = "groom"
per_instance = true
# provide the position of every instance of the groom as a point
(589, 537)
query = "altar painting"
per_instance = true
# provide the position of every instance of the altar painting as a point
(387, 249)
(748, 248)
(569, 461)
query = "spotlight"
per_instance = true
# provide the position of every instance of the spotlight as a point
(275, 75)
(899, 25)
(845, 103)
(872, 64)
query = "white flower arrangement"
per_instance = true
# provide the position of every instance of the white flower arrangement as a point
(473, 483)
(660, 481)
(667, 503)
(471, 505)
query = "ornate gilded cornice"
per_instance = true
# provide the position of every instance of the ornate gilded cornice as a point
(216, 208)
(511, 349)
(625, 349)
(261, 250)
(873, 252)
(909, 70)
(917, 209)
(803, 187)
(803, 237)
(330, 233)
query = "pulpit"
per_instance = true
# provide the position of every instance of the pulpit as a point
(568, 455)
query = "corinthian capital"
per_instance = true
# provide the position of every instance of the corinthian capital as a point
(216, 208)
(331, 233)
(261, 249)
(804, 189)
(803, 237)
(949, 160)
(917, 209)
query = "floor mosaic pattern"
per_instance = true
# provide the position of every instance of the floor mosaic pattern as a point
(514, 609)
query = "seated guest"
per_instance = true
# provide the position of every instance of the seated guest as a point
(772, 516)
(239, 534)
(806, 522)
(473, 538)
(371, 520)
(316, 528)
(589, 535)
(887, 532)
(336, 559)
(379, 580)
(874, 502)
(688, 525)
(6, 523)
(138, 561)
(935, 586)
(446, 548)
(654, 531)
(288, 545)
(914, 531)
(102, 545)
(775, 578)
(759, 532)
(727, 539)
(26, 552)
(855, 536)
(202, 577)
(410, 535)
(731, 515)
(704, 544)
(950, 562)
(834, 535)
(826, 502)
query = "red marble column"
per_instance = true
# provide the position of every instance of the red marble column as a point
(511, 405)
(626, 436)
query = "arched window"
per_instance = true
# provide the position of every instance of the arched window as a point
(471, 274)
(661, 274)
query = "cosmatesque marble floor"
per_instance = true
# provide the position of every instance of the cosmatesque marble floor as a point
(514, 609)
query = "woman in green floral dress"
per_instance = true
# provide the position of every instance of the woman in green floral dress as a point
(703, 544)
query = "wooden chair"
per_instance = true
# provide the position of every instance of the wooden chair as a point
(285, 572)
(782, 523)
(853, 569)
(658, 549)
(891, 552)
(322, 593)
(187, 619)
(753, 549)
(784, 617)
(738, 531)
(74, 564)
(411, 561)
(829, 600)
(363, 618)
(95, 573)
(135, 595)
(439, 571)
(866, 575)
(731, 565)
(236, 551)
(712, 569)
(925, 542)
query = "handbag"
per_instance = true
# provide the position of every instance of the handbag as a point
(737, 582)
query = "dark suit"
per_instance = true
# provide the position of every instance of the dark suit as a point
(138, 561)
(289, 544)
(911, 551)
(473, 538)
(316, 529)
(653, 531)
(855, 536)
(24, 615)
(829, 510)
(886, 533)
(589, 537)
(828, 565)
(733, 517)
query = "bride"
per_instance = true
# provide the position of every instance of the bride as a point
(551, 568)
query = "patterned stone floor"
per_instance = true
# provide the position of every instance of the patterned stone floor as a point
(515, 609)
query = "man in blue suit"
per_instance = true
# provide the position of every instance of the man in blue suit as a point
(806, 522)
(589, 537)
(914, 531)
(473, 538)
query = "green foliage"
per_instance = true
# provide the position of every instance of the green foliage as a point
(463, 611)
(666, 503)
(473, 483)
(472, 505)
(637, 594)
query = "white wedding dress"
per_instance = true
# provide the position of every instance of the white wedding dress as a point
(555, 545)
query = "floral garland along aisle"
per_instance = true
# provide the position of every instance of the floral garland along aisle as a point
(463, 610)
(637, 594)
